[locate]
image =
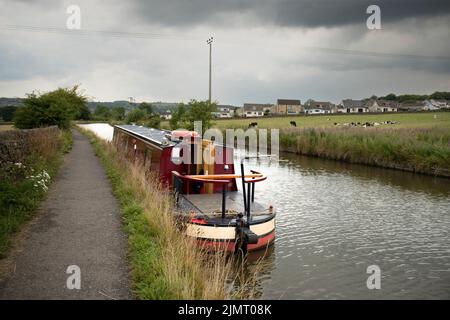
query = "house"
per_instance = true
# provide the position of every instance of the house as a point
(286, 106)
(413, 106)
(165, 115)
(340, 109)
(382, 106)
(435, 105)
(251, 110)
(354, 106)
(314, 110)
(326, 106)
(443, 104)
(223, 112)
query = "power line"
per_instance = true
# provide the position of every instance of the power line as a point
(162, 36)
(90, 32)
(376, 54)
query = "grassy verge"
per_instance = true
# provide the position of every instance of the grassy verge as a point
(23, 185)
(423, 150)
(165, 263)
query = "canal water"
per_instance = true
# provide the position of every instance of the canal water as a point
(334, 220)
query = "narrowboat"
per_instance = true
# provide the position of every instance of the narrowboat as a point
(202, 175)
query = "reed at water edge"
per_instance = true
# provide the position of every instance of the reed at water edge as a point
(165, 263)
(422, 150)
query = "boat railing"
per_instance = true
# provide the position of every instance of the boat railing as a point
(224, 180)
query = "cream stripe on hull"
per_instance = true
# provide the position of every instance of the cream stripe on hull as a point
(226, 233)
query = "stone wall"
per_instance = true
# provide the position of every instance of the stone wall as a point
(16, 145)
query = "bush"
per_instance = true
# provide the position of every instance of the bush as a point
(7, 113)
(57, 107)
(195, 110)
(136, 115)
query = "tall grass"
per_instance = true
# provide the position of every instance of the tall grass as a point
(423, 150)
(165, 263)
(23, 175)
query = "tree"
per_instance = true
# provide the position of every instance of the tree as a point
(57, 107)
(136, 116)
(440, 95)
(177, 116)
(147, 107)
(118, 113)
(390, 96)
(102, 112)
(154, 121)
(195, 110)
(7, 112)
(84, 113)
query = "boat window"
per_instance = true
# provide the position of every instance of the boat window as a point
(176, 155)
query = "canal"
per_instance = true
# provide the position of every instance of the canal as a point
(336, 219)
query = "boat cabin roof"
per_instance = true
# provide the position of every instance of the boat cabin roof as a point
(158, 137)
(155, 136)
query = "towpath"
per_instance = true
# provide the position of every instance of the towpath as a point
(78, 227)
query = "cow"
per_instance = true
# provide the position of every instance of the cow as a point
(293, 124)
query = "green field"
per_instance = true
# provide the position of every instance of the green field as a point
(409, 120)
(419, 142)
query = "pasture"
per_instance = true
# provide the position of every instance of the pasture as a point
(406, 120)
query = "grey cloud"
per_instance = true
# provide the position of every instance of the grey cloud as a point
(249, 64)
(291, 13)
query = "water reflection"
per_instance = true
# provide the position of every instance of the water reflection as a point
(255, 270)
(335, 219)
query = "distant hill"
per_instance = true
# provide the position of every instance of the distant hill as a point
(16, 102)
(157, 106)
(414, 97)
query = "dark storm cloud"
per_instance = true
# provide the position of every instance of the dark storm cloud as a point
(292, 13)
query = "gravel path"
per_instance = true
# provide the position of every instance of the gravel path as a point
(79, 224)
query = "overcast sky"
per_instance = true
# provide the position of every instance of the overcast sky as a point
(263, 49)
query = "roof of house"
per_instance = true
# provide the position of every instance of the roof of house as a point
(413, 104)
(312, 107)
(326, 105)
(255, 107)
(288, 102)
(387, 103)
(350, 103)
(382, 103)
(229, 106)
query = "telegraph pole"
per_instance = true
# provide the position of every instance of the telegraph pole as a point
(209, 42)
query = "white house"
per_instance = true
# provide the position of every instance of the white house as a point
(223, 112)
(315, 110)
(382, 106)
(166, 115)
(412, 106)
(354, 106)
(326, 106)
(252, 110)
(435, 104)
